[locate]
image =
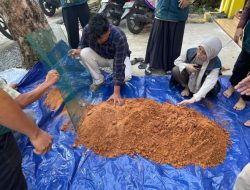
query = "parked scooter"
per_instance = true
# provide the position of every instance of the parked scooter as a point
(113, 10)
(138, 13)
(49, 6)
(4, 29)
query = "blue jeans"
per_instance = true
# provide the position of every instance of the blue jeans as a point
(11, 176)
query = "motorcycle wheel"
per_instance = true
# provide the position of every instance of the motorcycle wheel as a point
(4, 29)
(47, 9)
(115, 9)
(134, 26)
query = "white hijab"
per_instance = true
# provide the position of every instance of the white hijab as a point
(212, 47)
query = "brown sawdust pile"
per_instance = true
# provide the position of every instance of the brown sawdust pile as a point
(164, 133)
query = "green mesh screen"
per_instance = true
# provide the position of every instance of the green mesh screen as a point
(44, 42)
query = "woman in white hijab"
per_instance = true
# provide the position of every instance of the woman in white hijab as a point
(198, 69)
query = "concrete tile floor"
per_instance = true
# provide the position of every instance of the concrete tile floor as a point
(194, 34)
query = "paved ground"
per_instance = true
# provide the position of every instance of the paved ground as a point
(194, 34)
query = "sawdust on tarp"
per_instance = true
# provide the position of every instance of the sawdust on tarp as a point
(54, 100)
(164, 133)
(66, 125)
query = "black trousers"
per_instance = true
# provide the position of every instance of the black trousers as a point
(11, 176)
(182, 78)
(164, 44)
(241, 68)
(71, 16)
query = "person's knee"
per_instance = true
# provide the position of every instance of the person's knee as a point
(86, 54)
(175, 72)
(128, 69)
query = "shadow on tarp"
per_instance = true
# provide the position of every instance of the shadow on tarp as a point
(78, 169)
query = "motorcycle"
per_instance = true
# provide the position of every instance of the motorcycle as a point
(49, 6)
(4, 29)
(113, 10)
(138, 13)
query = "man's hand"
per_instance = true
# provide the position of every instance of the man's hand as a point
(51, 78)
(42, 142)
(28, 98)
(238, 35)
(13, 118)
(116, 96)
(74, 52)
(117, 99)
(186, 102)
(244, 86)
(191, 68)
(183, 3)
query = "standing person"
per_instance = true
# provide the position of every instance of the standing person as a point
(244, 88)
(12, 117)
(242, 65)
(165, 40)
(105, 45)
(74, 11)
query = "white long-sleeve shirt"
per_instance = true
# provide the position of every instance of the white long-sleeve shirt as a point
(195, 79)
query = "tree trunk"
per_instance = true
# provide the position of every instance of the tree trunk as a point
(22, 18)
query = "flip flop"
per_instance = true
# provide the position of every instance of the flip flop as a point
(148, 71)
(142, 65)
(137, 60)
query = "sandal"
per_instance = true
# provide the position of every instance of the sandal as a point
(137, 60)
(148, 71)
(142, 65)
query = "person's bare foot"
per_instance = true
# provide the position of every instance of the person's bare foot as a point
(185, 92)
(225, 68)
(240, 105)
(247, 123)
(228, 93)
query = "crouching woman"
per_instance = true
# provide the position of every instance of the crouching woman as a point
(198, 70)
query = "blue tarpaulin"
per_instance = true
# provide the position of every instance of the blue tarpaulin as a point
(81, 169)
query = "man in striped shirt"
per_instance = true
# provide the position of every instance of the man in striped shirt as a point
(105, 45)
